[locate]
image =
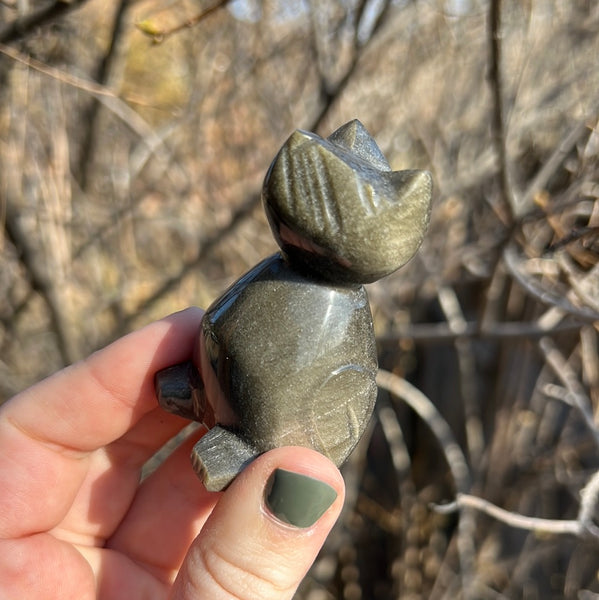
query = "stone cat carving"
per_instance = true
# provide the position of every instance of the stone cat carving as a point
(287, 356)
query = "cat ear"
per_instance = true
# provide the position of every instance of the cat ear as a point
(353, 137)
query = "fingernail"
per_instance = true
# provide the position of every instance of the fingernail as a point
(297, 499)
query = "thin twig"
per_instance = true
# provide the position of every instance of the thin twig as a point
(558, 392)
(586, 293)
(80, 83)
(400, 456)
(402, 464)
(583, 525)
(557, 526)
(589, 497)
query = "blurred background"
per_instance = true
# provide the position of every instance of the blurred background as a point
(134, 137)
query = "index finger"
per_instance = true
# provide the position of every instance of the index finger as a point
(48, 432)
(95, 401)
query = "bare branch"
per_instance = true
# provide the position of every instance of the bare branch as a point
(586, 293)
(444, 333)
(450, 306)
(589, 496)
(546, 296)
(504, 210)
(557, 526)
(583, 525)
(24, 25)
(171, 283)
(454, 457)
(427, 411)
(41, 282)
(101, 76)
(73, 80)
(395, 439)
(547, 171)
(577, 395)
(105, 95)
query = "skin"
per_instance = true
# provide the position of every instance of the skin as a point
(77, 523)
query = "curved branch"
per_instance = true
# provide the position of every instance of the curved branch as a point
(428, 412)
(557, 526)
(454, 457)
(583, 525)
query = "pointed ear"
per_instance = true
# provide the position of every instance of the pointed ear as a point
(298, 138)
(413, 186)
(353, 137)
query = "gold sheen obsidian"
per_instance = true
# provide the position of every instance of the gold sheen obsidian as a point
(286, 356)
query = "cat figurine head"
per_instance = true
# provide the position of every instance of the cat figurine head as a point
(339, 212)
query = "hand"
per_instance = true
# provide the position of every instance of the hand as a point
(75, 521)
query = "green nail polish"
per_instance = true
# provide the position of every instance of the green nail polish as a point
(298, 499)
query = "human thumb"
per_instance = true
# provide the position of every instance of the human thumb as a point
(265, 531)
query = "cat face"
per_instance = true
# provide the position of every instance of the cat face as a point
(336, 209)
